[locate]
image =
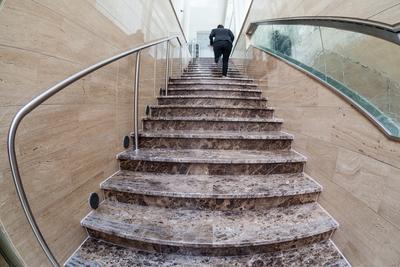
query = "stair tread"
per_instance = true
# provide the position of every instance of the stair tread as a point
(216, 89)
(218, 135)
(95, 252)
(213, 97)
(209, 228)
(212, 83)
(211, 107)
(211, 186)
(212, 156)
(212, 78)
(223, 119)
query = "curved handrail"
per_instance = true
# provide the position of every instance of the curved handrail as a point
(359, 107)
(35, 102)
(381, 30)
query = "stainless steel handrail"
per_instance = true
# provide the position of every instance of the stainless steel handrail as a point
(35, 102)
(377, 29)
(177, 19)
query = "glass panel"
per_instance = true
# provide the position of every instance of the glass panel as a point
(362, 67)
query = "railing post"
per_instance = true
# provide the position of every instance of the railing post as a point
(167, 69)
(181, 58)
(136, 101)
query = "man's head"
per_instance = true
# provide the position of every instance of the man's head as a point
(220, 26)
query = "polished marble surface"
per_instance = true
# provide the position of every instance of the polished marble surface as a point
(200, 100)
(219, 135)
(215, 140)
(218, 179)
(171, 111)
(212, 156)
(242, 192)
(96, 253)
(190, 228)
(210, 123)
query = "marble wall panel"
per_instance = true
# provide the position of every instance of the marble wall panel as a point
(357, 165)
(67, 147)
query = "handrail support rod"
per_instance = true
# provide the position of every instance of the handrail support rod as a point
(167, 68)
(136, 101)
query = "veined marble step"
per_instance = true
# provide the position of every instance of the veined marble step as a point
(212, 162)
(214, 66)
(216, 75)
(211, 124)
(211, 100)
(223, 83)
(218, 233)
(211, 71)
(213, 79)
(211, 86)
(215, 92)
(215, 140)
(95, 252)
(205, 192)
(217, 81)
(171, 111)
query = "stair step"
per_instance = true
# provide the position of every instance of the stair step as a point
(211, 100)
(212, 162)
(212, 84)
(215, 92)
(214, 75)
(170, 111)
(211, 124)
(213, 79)
(234, 192)
(222, 81)
(215, 140)
(212, 72)
(217, 233)
(95, 252)
(213, 66)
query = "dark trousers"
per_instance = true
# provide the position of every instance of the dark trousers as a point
(223, 48)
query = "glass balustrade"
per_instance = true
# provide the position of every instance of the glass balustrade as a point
(363, 68)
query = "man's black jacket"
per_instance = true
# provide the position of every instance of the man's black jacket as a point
(221, 34)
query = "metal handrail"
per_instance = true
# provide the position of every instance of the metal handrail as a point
(38, 100)
(177, 19)
(352, 102)
(377, 29)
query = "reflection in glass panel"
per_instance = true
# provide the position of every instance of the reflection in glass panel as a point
(361, 67)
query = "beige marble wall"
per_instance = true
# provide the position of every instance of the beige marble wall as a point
(68, 145)
(358, 166)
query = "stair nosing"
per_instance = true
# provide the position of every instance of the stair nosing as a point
(211, 83)
(215, 119)
(85, 255)
(192, 244)
(294, 157)
(216, 135)
(212, 97)
(213, 89)
(212, 107)
(107, 185)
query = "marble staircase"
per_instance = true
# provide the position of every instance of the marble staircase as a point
(215, 183)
